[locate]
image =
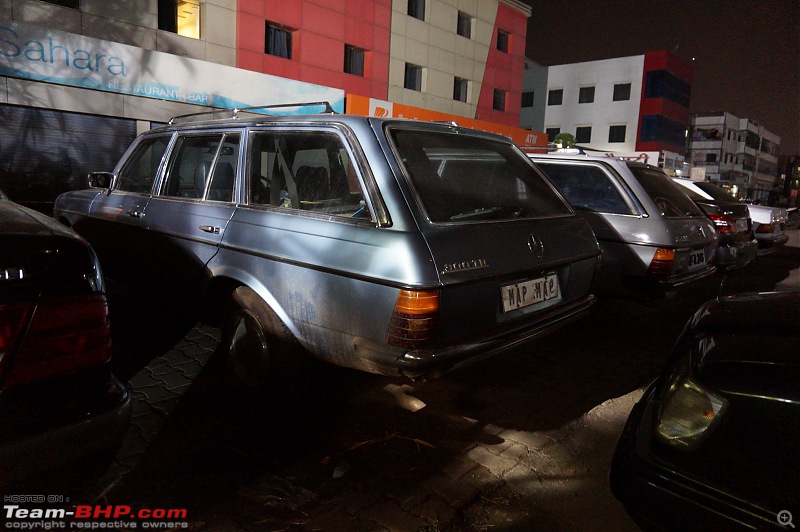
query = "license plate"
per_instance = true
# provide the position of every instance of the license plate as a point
(697, 260)
(519, 295)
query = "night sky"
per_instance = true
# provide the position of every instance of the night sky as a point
(745, 53)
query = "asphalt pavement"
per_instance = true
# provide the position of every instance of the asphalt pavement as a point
(522, 441)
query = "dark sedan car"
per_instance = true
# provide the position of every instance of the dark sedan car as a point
(713, 443)
(731, 219)
(58, 398)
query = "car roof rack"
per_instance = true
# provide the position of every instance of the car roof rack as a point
(234, 112)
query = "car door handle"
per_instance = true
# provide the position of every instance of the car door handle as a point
(210, 229)
(135, 214)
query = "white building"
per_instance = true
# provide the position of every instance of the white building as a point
(736, 152)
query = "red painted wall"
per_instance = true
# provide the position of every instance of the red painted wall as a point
(661, 106)
(321, 28)
(504, 70)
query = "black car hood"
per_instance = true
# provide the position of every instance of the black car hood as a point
(18, 220)
(749, 345)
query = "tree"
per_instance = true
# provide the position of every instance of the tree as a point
(564, 140)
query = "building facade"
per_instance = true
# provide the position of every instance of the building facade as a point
(72, 71)
(627, 104)
(736, 152)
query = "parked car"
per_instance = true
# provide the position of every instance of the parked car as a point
(712, 444)
(391, 246)
(769, 223)
(737, 245)
(59, 401)
(652, 235)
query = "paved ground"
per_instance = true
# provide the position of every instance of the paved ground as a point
(519, 442)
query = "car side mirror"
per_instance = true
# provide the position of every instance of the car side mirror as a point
(102, 180)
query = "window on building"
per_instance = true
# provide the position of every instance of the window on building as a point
(616, 133)
(711, 157)
(583, 134)
(555, 96)
(74, 4)
(499, 100)
(179, 16)
(551, 133)
(416, 9)
(464, 25)
(663, 84)
(413, 77)
(278, 41)
(353, 60)
(503, 40)
(460, 89)
(527, 99)
(622, 91)
(586, 95)
(659, 128)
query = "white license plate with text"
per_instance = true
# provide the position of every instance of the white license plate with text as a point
(516, 296)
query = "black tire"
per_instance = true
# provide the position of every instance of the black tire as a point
(256, 339)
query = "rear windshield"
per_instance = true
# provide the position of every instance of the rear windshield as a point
(716, 192)
(461, 178)
(668, 196)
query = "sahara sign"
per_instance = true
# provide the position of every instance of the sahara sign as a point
(40, 54)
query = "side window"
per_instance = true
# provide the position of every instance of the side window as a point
(223, 177)
(139, 171)
(190, 165)
(587, 188)
(310, 171)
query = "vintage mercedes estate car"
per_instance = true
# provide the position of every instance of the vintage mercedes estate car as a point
(652, 235)
(392, 246)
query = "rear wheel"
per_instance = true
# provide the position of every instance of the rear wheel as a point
(255, 337)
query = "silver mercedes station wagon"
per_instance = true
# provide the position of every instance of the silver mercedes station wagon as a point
(392, 246)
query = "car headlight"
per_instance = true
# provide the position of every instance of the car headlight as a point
(688, 411)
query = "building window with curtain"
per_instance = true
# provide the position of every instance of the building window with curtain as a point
(460, 89)
(503, 40)
(179, 16)
(499, 100)
(555, 96)
(586, 95)
(413, 77)
(416, 9)
(464, 27)
(616, 133)
(353, 60)
(622, 92)
(278, 41)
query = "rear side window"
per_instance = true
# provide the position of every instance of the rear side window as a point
(309, 171)
(203, 166)
(139, 171)
(668, 196)
(587, 187)
(461, 178)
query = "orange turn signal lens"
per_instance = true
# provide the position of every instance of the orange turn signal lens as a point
(663, 254)
(415, 319)
(416, 302)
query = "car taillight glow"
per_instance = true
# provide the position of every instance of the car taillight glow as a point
(414, 320)
(722, 223)
(662, 262)
(65, 335)
(765, 228)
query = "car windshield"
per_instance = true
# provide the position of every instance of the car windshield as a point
(464, 178)
(668, 196)
(715, 192)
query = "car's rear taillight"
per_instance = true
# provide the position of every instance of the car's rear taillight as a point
(414, 320)
(766, 228)
(662, 263)
(65, 335)
(722, 223)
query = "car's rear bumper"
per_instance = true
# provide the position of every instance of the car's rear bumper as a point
(736, 254)
(769, 242)
(658, 498)
(432, 363)
(46, 427)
